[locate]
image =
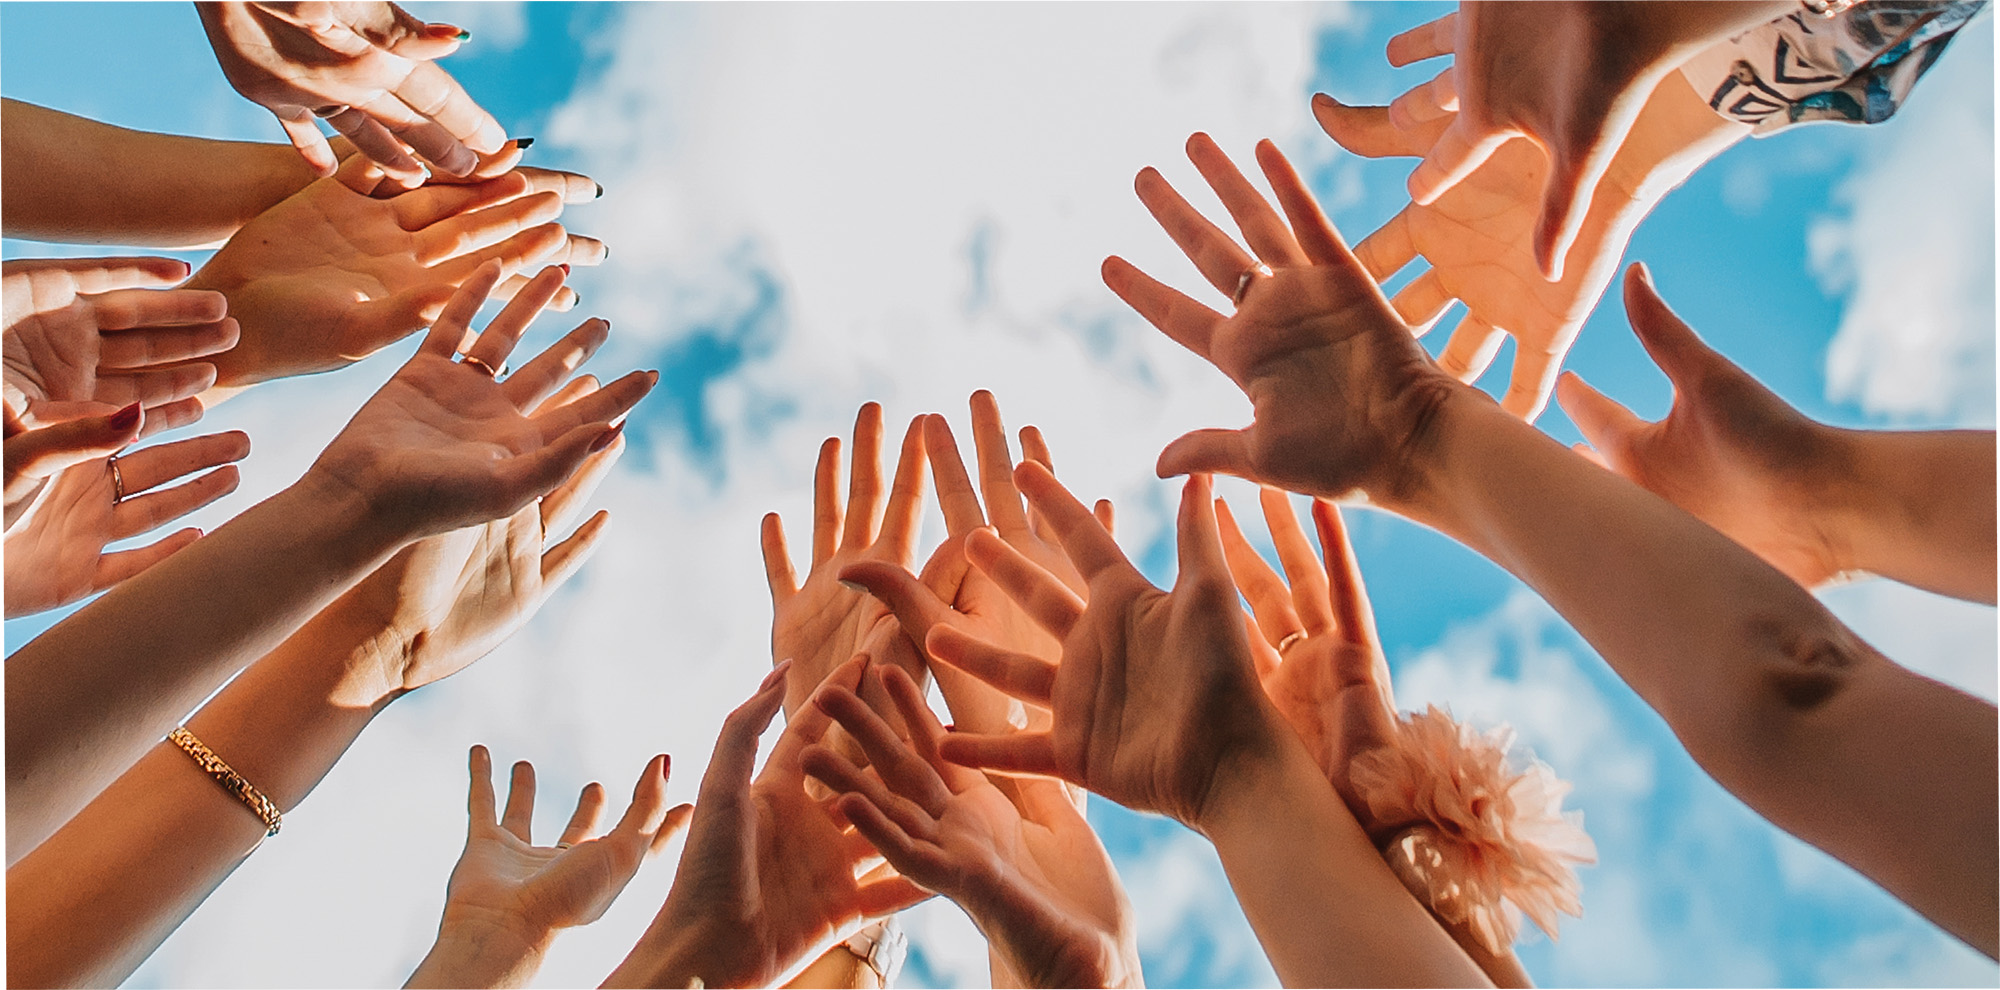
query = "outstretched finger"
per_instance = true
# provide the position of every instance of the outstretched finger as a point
(727, 781)
(1303, 570)
(1421, 302)
(957, 497)
(1533, 378)
(904, 771)
(124, 309)
(778, 573)
(561, 561)
(519, 817)
(647, 813)
(162, 345)
(1353, 617)
(1426, 103)
(996, 468)
(534, 381)
(497, 341)
(915, 606)
(1669, 341)
(897, 539)
(1209, 451)
(479, 803)
(1316, 234)
(452, 325)
(1471, 349)
(1610, 428)
(1190, 324)
(1019, 752)
(148, 512)
(826, 502)
(1042, 595)
(864, 478)
(1389, 249)
(1270, 600)
(1198, 544)
(1017, 675)
(1084, 540)
(1428, 40)
(91, 276)
(1217, 255)
(311, 144)
(583, 821)
(1368, 132)
(1458, 151)
(841, 776)
(1265, 231)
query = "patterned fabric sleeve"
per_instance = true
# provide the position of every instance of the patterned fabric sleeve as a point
(1858, 66)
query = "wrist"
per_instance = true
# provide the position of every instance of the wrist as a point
(345, 507)
(673, 954)
(1440, 411)
(481, 952)
(1249, 774)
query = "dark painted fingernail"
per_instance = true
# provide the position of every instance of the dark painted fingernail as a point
(600, 190)
(462, 35)
(524, 143)
(126, 418)
(607, 438)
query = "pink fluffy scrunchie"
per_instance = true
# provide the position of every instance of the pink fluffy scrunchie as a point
(1479, 841)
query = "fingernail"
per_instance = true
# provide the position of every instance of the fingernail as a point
(600, 190)
(1645, 273)
(607, 438)
(462, 35)
(1323, 100)
(565, 268)
(524, 143)
(126, 418)
(605, 253)
(776, 676)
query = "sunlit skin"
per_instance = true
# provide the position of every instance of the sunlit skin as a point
(1814, 501)
(330, 276)
(1320, 661)
(769, 878)
(373, 63)
(508, 897)
(440, 447)
(1776, 699)
(91, 903)
(1477, 236)
(1037, 882)
(1569, 76)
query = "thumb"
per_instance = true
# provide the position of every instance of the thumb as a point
(1208, 452)
(915, 606)
(1673, 344)
(1608, 426)
(37, 454)
(521, 480)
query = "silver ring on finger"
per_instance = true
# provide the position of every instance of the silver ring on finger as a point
(117, 481)
(1245, 280)
(1290, 641)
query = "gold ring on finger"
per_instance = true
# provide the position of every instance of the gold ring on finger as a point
(489, 370)
(1290, 641)
(117, 481)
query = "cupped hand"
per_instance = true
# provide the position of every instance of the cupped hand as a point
(444, 445)
(1314, 639)
(1730, 452)
(819, 624)
(367, 68)
(508, 897)
(1344, 398)
(57, 555)
(1155, 697)
(449, 600)
(1035, 879)
(951, 590)
(768, 878)
(330, 275)
(106, 330)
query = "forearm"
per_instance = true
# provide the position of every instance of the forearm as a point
(1774, 697)
(87, 698)
(1918, 507)
(840, 968)
(1323, 902)
(474, 955)
(75, 180)
(89, 905)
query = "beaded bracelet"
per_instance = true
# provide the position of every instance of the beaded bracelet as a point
(222, 773)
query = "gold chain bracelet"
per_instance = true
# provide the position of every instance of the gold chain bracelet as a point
(222, 773)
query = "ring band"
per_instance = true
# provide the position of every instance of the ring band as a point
(562, 845)
(491, 371)
(117, 481)
(332, 110)
(1243, 281)
(1290, 641)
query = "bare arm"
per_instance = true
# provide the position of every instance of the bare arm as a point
(71, 179)
(1923, 509)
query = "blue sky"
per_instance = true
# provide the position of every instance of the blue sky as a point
(809, 207)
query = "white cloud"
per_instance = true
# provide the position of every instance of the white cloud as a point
(1913, 252)
(1942, 638)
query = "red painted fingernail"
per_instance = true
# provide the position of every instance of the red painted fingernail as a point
(126, 418)
(565, 268)
(607, 438)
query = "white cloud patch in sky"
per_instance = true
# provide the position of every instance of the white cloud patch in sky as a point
(1912, 252)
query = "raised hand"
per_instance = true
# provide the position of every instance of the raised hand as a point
(1155, 696)
(1035, 879)
(951, 590)
(1342, 393)
(768, 878)
(449, 600)
(1730, 452)
(1478, 235)
(106, 330)
(818, 625)
(366, 68)
(444, 444)
(1571, 77)
(1316, 648)
(508, 898)
(330, 275)
(57, 555)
